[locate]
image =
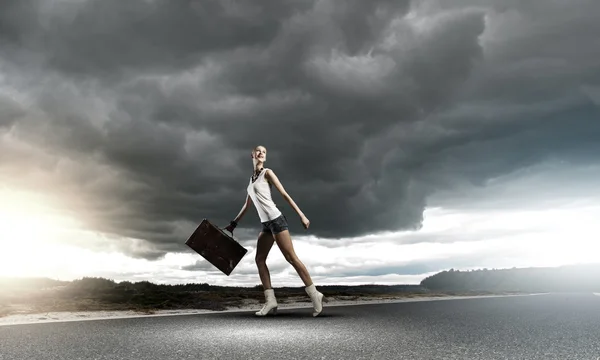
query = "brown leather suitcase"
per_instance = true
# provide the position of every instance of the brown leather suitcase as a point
(216, 246)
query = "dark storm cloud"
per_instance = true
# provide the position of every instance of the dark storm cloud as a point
(142, 114)
(556, 182)
(99, 38)
(10, 111)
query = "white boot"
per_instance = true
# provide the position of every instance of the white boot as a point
(317, 299)
(270, 304)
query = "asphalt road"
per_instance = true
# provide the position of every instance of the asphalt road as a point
(551, 326)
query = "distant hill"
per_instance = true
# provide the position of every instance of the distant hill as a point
(572, 278)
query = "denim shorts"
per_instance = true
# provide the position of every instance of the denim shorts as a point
(276, 225)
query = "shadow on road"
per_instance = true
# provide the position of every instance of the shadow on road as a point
(284, 314)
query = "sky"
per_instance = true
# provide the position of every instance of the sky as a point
(416, 136)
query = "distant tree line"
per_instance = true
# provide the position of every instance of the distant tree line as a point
(581, 278)
(575, 278)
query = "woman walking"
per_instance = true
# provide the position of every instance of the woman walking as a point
(274, 229)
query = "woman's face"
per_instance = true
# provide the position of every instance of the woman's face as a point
(260, 153)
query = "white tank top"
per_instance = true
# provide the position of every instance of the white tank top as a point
(260, 193)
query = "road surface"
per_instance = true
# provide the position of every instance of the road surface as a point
(547, 326)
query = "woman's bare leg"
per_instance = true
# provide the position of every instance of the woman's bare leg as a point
(263, 246)
(284, 242)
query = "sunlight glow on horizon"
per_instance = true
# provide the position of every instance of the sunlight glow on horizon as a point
(36, 240)
(30, 233)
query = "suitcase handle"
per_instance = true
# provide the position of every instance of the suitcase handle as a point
(223, 230)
